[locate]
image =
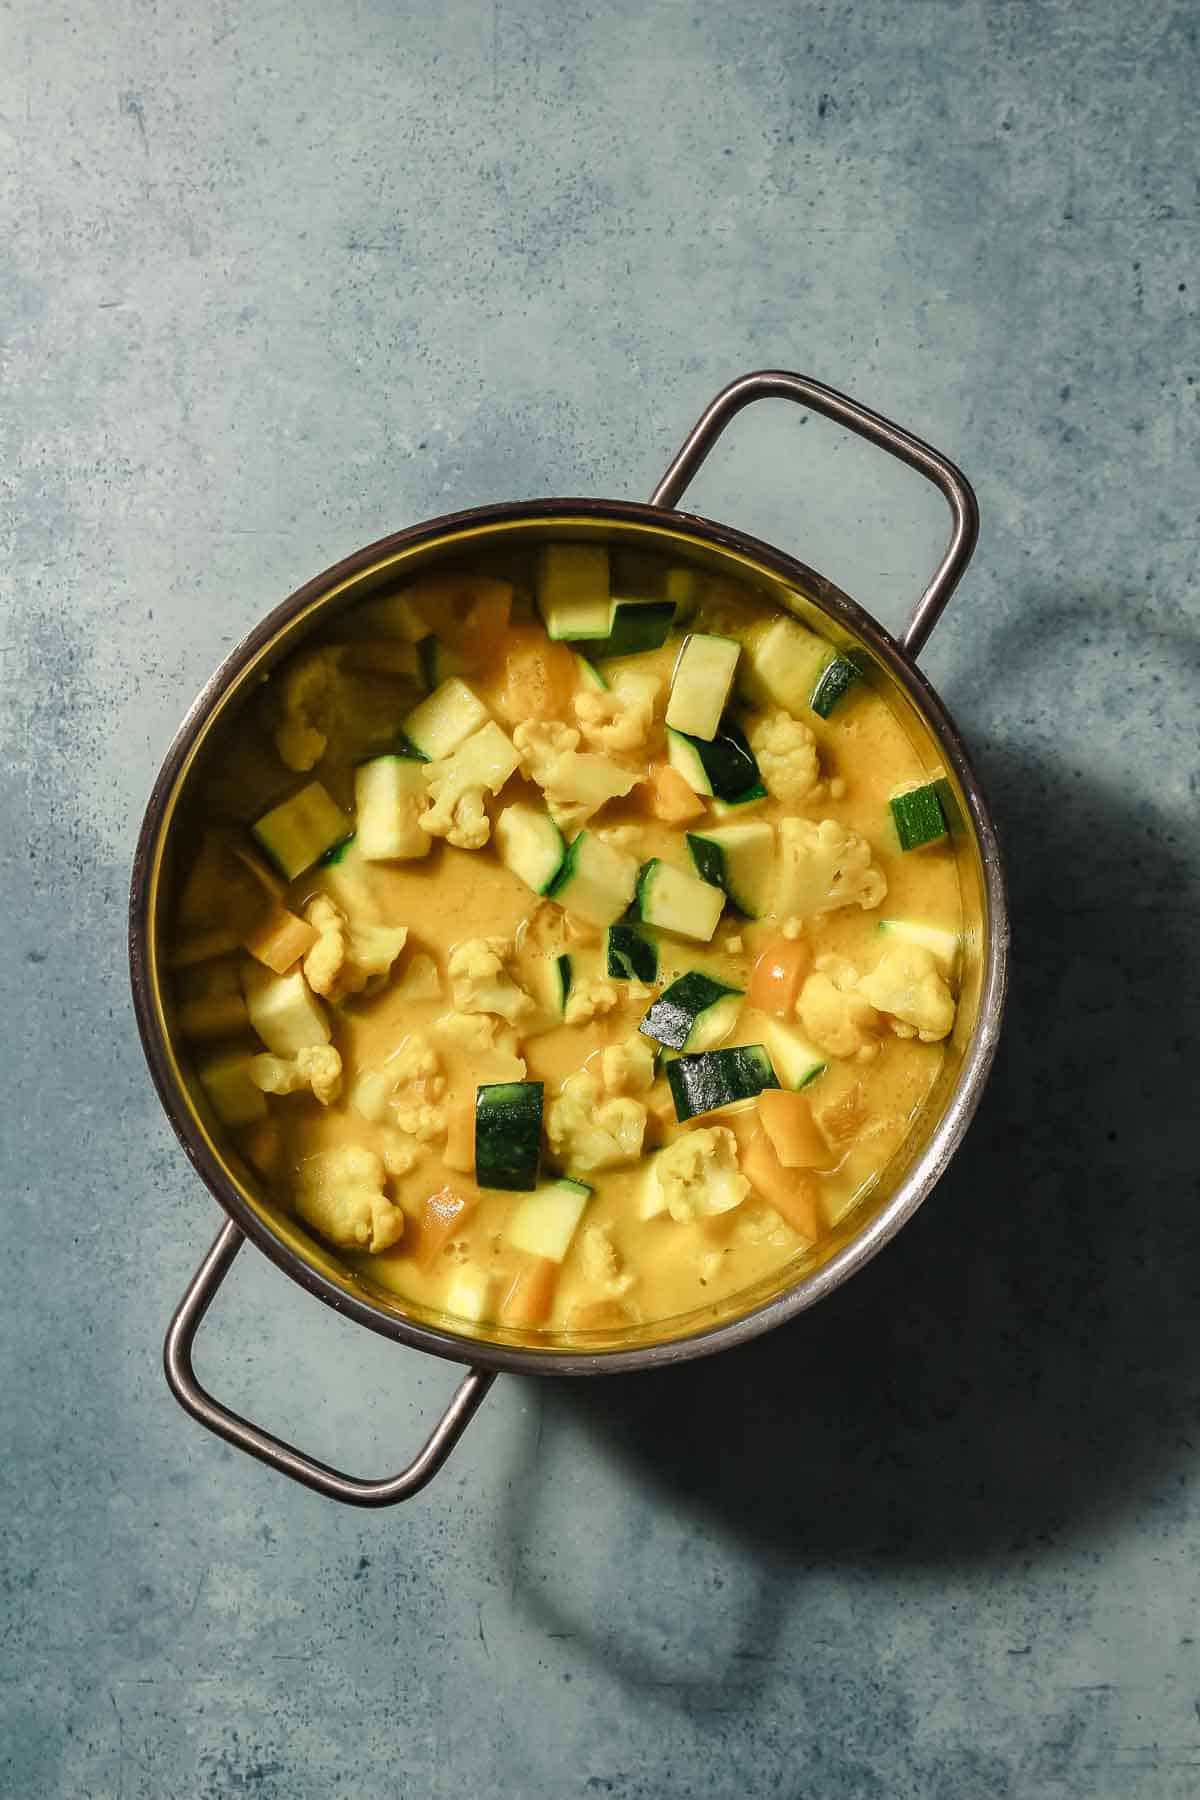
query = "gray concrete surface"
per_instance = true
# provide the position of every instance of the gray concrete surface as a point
(276, 280)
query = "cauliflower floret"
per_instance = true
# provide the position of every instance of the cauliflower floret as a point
(628, 1067)
(907, 984)
(822, 867)
(317, 1070)
(479, 1034)
(458, 783)
(590, 1000)
(305, 701)
(588, 1131)
(540, 743)
(619, 718)
(347, 954)
(787, 757)
(601, 1263)
(480, 983)
(340, 1194)
(417, 1089)
(698, 1174)
(421, 1119)
(834, 1014)
(575, 784)
(417, 1060)
(399, 1158)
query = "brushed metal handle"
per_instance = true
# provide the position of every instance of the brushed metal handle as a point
(779, 384)
(284, 1458)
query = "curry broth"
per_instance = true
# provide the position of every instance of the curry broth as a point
(664, 1266)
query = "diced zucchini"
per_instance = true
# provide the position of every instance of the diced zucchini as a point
(795, 1060)
(589, 675)
(470, 1295)
(723, 767)
(370, 1093)
(446, 719)
(676, 900)
(298, 832)
(350, 880)
(530, 844)
(719, 1080)
(683, 586)
(701, 683)
(729, 809)
(631, 955)
(508, 1134)
(283, 1009)
(546, 1220)
(918, 816)
(572, 591)
(553, 983)
(739, 858)
(637, 625)
(391, 615)
(596, 881)
(832, 683)
(695, 1013)
(651, 1199)
(231, 1093)
(936, 938)
(438, 662)
(780, 666)
(389, 797)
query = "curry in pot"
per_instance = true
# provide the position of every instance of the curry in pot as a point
(570, 945)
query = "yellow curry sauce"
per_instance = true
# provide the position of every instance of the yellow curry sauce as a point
(420, 978)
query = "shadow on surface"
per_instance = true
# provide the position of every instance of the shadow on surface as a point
(1024, 1354)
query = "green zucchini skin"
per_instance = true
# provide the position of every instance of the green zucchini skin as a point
(508, 1134)
(718, 1078)
(918, 816)
(563, 976)
(832, 683)
(631, 955)
(637, 625)
(336, 853)
(674, 1016)
(728, 763)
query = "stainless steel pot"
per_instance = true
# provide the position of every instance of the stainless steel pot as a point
(920, 1160)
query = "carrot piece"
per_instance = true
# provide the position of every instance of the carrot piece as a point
(529, 1299)
(778, 974)
(280, 940)
(670, 798)
(793, 1193)
(459, 1153)
(795, 1136)
(539, 677)
(443, 1214)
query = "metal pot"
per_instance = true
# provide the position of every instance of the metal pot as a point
(918, 1163)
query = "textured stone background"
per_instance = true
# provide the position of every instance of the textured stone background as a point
(277, 279)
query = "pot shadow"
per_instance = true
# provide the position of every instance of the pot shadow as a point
(1022, 1358)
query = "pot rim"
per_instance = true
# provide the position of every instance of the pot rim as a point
(918, 1180)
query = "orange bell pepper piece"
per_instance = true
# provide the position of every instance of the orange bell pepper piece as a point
(793, 1193)
(529, 1299)
(778, 974)
(787, 1119)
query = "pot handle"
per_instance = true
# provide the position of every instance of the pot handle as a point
(778, 384)
(181, 1378)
